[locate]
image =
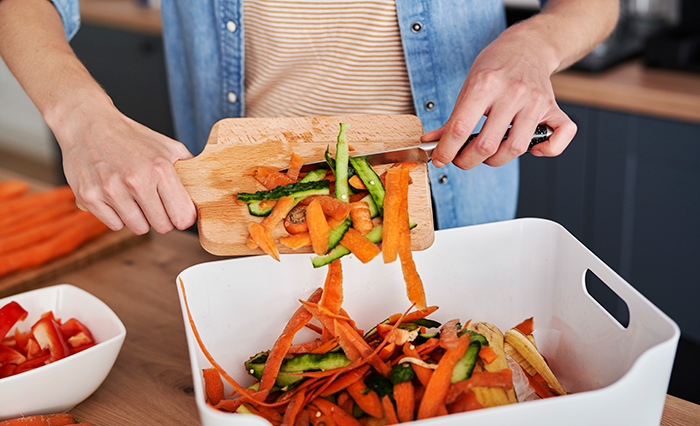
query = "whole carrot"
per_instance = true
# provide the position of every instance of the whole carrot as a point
(42, 198)
(32, 217)
(12, 188)
(60, 244)
(41, 232)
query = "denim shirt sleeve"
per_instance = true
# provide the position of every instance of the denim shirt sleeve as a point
(70, 15)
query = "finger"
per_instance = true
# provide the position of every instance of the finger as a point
(519, 138)
(433, 135)
(129, 211)
(563, 132)
(177, 202)
(456, 131)
(154, 212)
(487, 143)
(102, 212)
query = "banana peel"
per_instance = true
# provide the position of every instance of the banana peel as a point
(523, 350)
(492, 396)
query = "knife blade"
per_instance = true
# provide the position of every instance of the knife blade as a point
(423, 152)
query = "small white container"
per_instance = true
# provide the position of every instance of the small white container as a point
(502, 273)
(63, 384)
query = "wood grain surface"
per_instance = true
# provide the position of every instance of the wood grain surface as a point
(105, 244)
(238, 144)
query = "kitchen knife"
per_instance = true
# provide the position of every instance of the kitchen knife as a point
(423, 152)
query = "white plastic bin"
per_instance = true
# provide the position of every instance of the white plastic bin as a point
(501, 273)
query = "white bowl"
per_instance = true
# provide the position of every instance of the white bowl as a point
(61, 385)
(501, 273)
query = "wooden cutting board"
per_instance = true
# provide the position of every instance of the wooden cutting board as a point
(236, 145)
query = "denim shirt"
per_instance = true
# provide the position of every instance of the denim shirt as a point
(204, 49)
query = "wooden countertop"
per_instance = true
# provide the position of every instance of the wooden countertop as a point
(628, 87)
(151, 381)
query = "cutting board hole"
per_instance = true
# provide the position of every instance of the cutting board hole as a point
(607, 298)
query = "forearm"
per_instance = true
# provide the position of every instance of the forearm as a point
(566, 30)
(33, 45)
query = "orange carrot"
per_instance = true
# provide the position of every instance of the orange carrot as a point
(439, 384)
(364, 249)
(296, 241)
(389, 411)
(302, 418)
(283, 342)
(345, 380)
(369, 401)
(361, 217)
(332, 298)
(423, 373)
(213, 385)
(295, 164)
(356, 182)
(60, 244)
(31, 217)
(448, 335)
(404, 395)
(318, 227)
(414, 284)
(12, 188)
(41, 232)
(489, 379)
(467, 402)
(296, 404)
(275, 179)
(527, 326)
(392, 204)
(412, 316)
(263, 239)
(42, 198)
(541, 386)
(295, 222)
(278, 213)
(340, 416)
(59, 419)
(488, 354)
(334, 207)
(311, 346)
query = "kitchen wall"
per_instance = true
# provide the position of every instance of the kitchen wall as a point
(22, 129)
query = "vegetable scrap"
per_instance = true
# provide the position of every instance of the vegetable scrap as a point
(345, 209)
(47, 341)
(407, 367)
(37, 227)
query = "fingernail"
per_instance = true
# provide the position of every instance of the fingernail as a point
(536, 153)
(438, 164)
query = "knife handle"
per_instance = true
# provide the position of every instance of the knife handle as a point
(542, 133)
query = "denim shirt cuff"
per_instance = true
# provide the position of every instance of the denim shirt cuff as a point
(70, 15)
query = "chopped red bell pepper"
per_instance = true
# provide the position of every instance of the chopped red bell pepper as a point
(73, 327)
(9, 315)
(10, 356)
(48, 335)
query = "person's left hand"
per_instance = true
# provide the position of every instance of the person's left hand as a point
(509, 82)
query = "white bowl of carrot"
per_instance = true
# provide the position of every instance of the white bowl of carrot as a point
(82, 366)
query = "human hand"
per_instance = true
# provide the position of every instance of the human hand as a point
(509, 82)
(123, 173)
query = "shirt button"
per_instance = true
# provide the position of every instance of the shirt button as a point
(416, 27)
(442, 178)
(429, 105)
(232, 97)
(231, 26)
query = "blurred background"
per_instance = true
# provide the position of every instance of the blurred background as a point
(628, 187)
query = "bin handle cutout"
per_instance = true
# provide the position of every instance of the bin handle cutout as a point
(607, 298)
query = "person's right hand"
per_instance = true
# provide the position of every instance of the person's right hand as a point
(123, 173)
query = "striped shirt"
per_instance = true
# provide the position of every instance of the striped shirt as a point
(339, 57)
